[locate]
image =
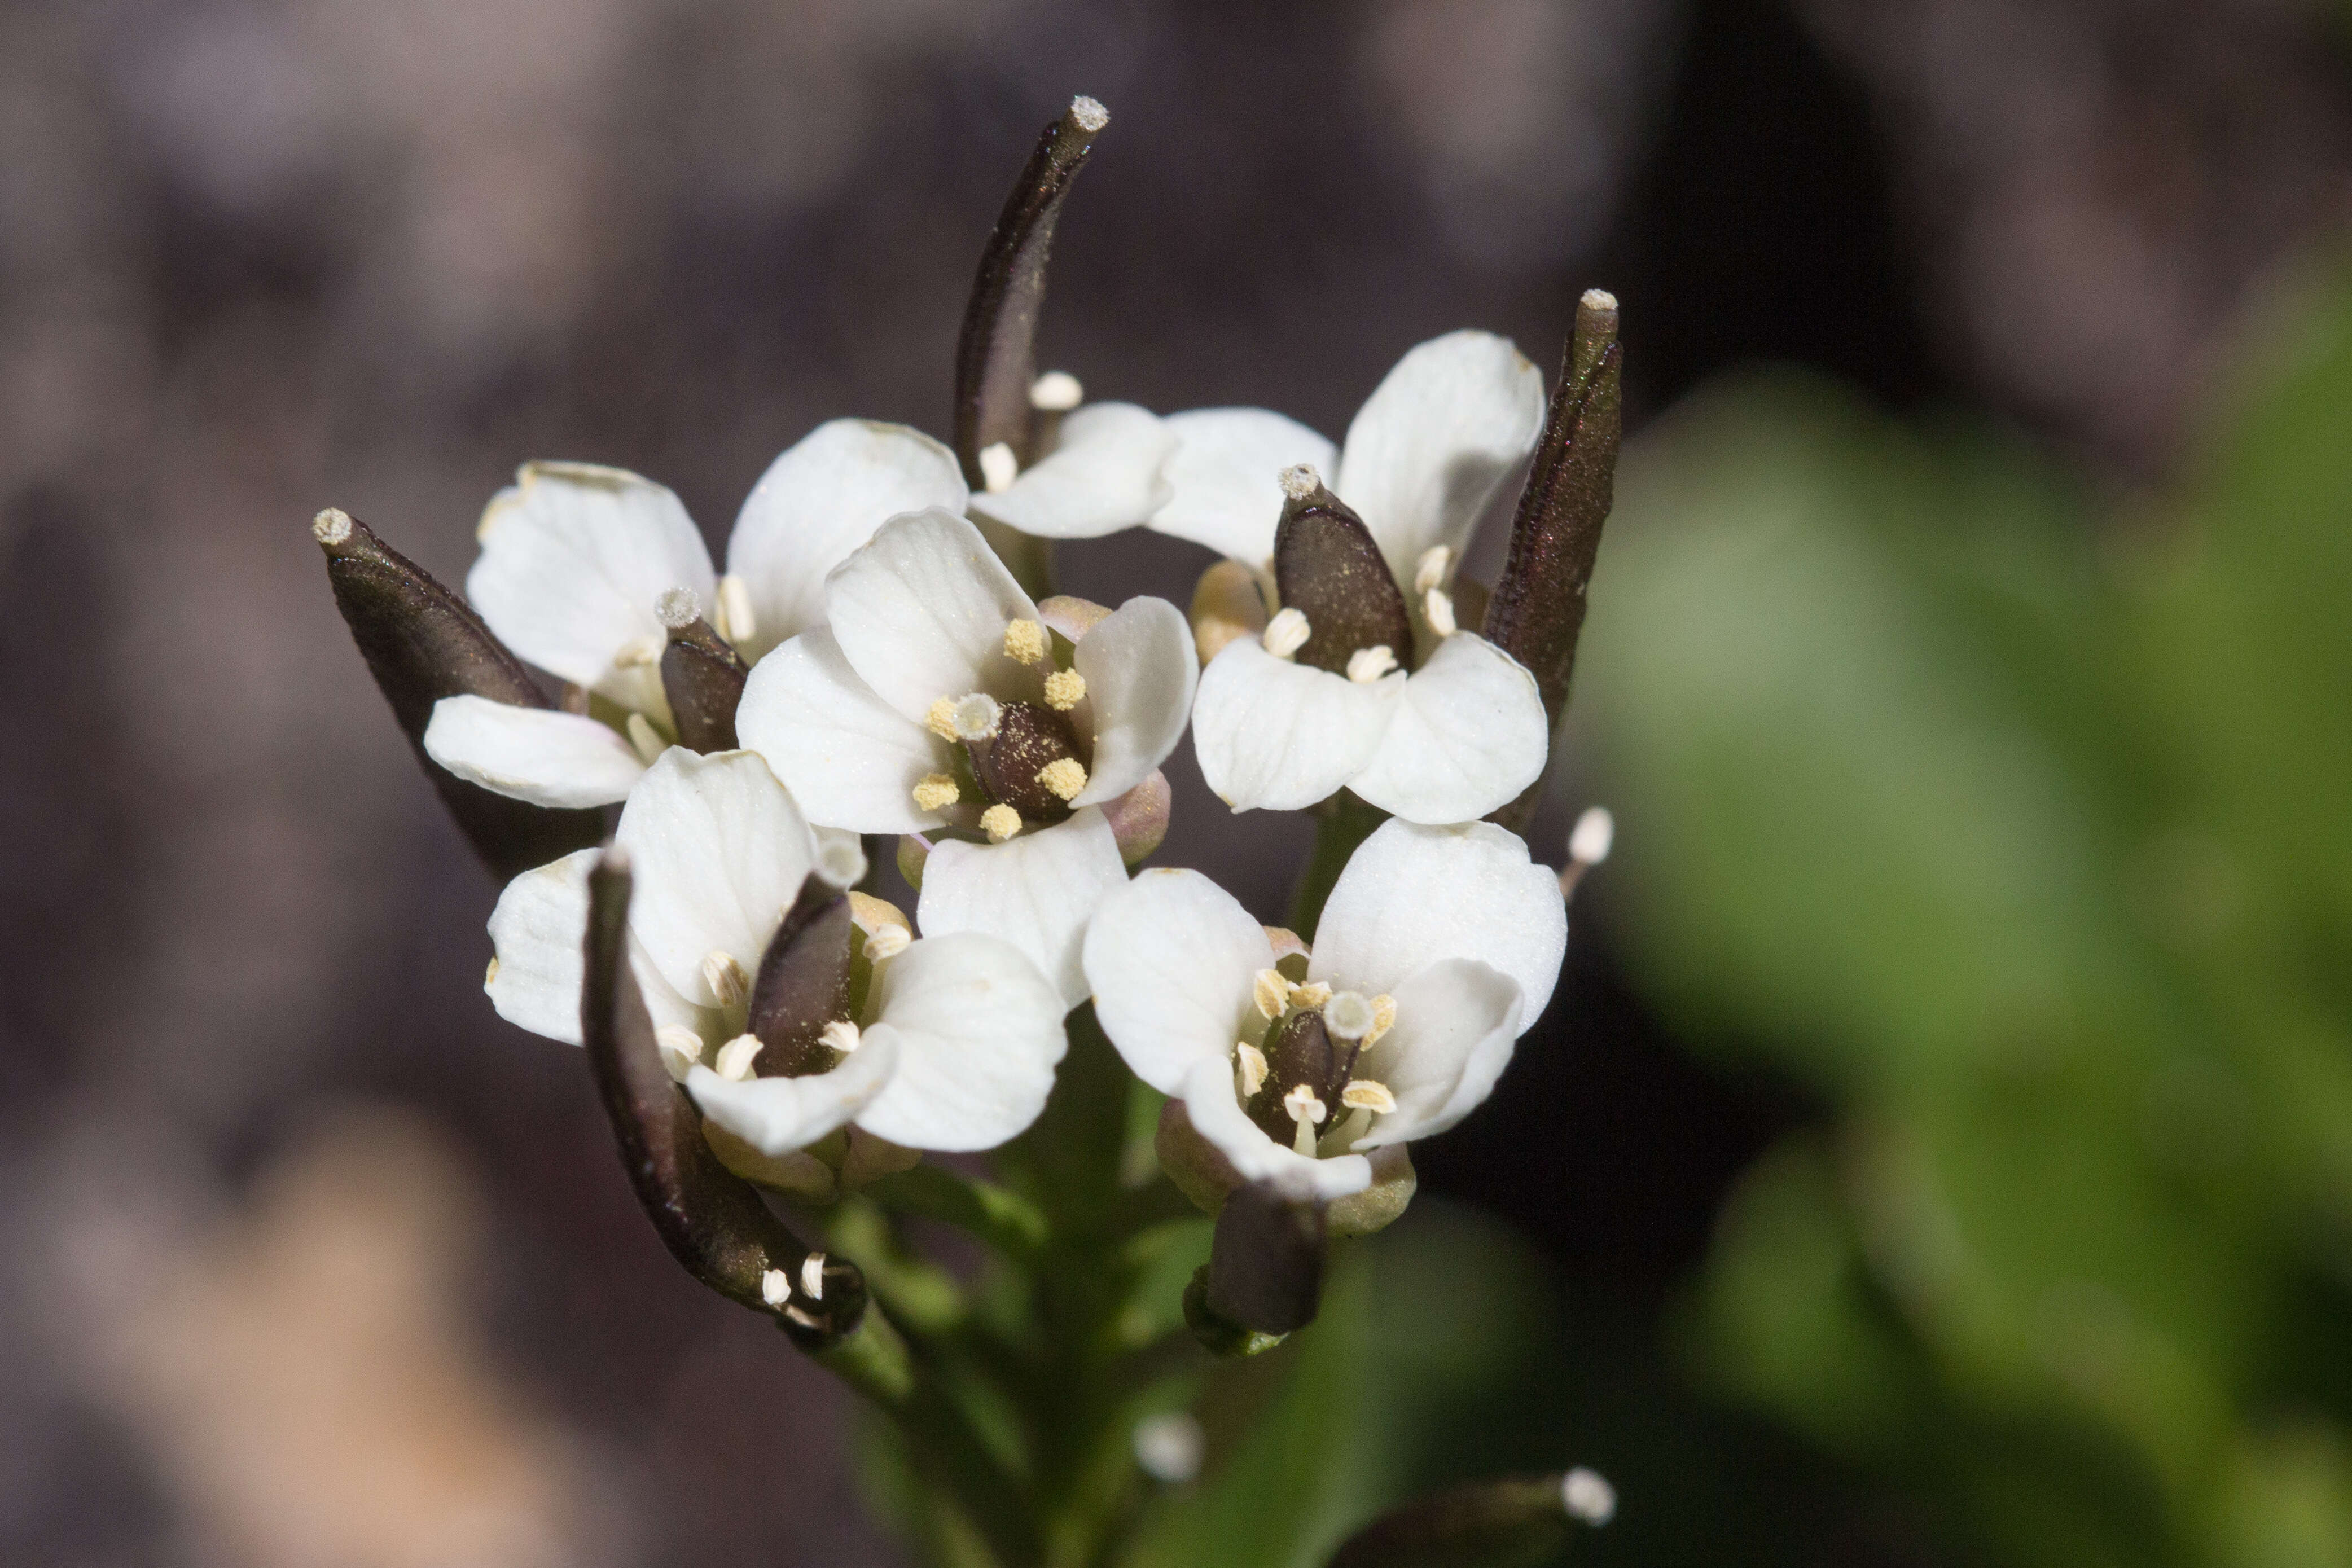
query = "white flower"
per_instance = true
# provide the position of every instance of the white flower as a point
(953, 1048)
(575, 558)
(934, 695)
(1458, 729)
(1439, 946)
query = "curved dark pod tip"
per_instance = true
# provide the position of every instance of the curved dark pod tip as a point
(701, 674)
(996, 356)
(1327, 567)
(711, 1220)
(423, 642)
(1483, 1524)
(1538, 608)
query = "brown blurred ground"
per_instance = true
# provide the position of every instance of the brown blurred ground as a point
(299, 1245)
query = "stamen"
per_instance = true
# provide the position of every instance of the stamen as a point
(1271, 993)
(1065, 775)
(1366, 665)
(332, 527)
(1286, 633)
(940, 719)
(1594, 833)
(1313, 994)
(1348, 1015)
(681, 1048)
(737, 623)
(1055, 391)
(490, 975)
(775, 1286)
(1364, 1094)
(937, 792)
(1430, 570)
(998, 468)
(723, 973)
(1026, 642)
(1000, 822)
(1251, 1062)
(840, 1035)
(639, 652)
(678, 607)
(1308, 1113)
(1586, 1494)
(1065, 689)
(1383, 1018)
(1437, 609)
(1300, 481)
(736, 1056)
(887, 943)
(645, 739)
(975, 717)
(812, 1276)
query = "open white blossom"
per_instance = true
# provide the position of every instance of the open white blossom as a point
(953, 1046)
(1438, 947)
(576, 558)
(936, 696)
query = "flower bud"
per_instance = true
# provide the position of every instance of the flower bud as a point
(423, 642)
(1226, 605)
(1138, 819)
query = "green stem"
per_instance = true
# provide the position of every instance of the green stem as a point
(1003, 1218)
(873, 1360)
(1342, 823)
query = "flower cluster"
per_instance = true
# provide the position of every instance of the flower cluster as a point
(883, 656)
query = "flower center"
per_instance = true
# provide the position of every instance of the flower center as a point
(1314, 1037)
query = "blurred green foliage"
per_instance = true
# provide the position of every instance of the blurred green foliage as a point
(2018, 824)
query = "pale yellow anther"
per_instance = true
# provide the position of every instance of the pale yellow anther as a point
(775, 1286)
(737, 623)
(735, 1057)
(1437, 609)
(1056, 391)
(998, 468)
(1430, 570)
(937, 792)
(840, 1035)
(681, 1048)
(1313, 994)
(940, 719)
(1065, 689)
(1383, 1018)
(1251, 1061)
(887, 943)
(1286, 633)
(490, 975)
(723, 973)
(1366, 665)
(1363, 1095)
(1271, 992)
(1065, 775)
(1000, 823)
(1026, 642)
(646, 740)
(812, 1276)
(639, 652)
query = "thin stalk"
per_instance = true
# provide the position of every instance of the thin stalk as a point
(1342, 823)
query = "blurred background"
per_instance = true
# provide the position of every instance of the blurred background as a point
(1940, 1152)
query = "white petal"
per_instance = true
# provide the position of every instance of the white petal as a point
(1036, 891)
(539, 755)
(850, 759)
(1141, 671)
(819, 500)
(1105, 473)
(1275, 734)
(539, 931)
(777, 1115)
(1469, 734)
(1217, 1116)
(719, 852)
(1413, 894)
(1456, 1021)
(1439, 434)
(1174, 960)
(1228, 495)
(979, 1032)
(574, 557)
(920, 610)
